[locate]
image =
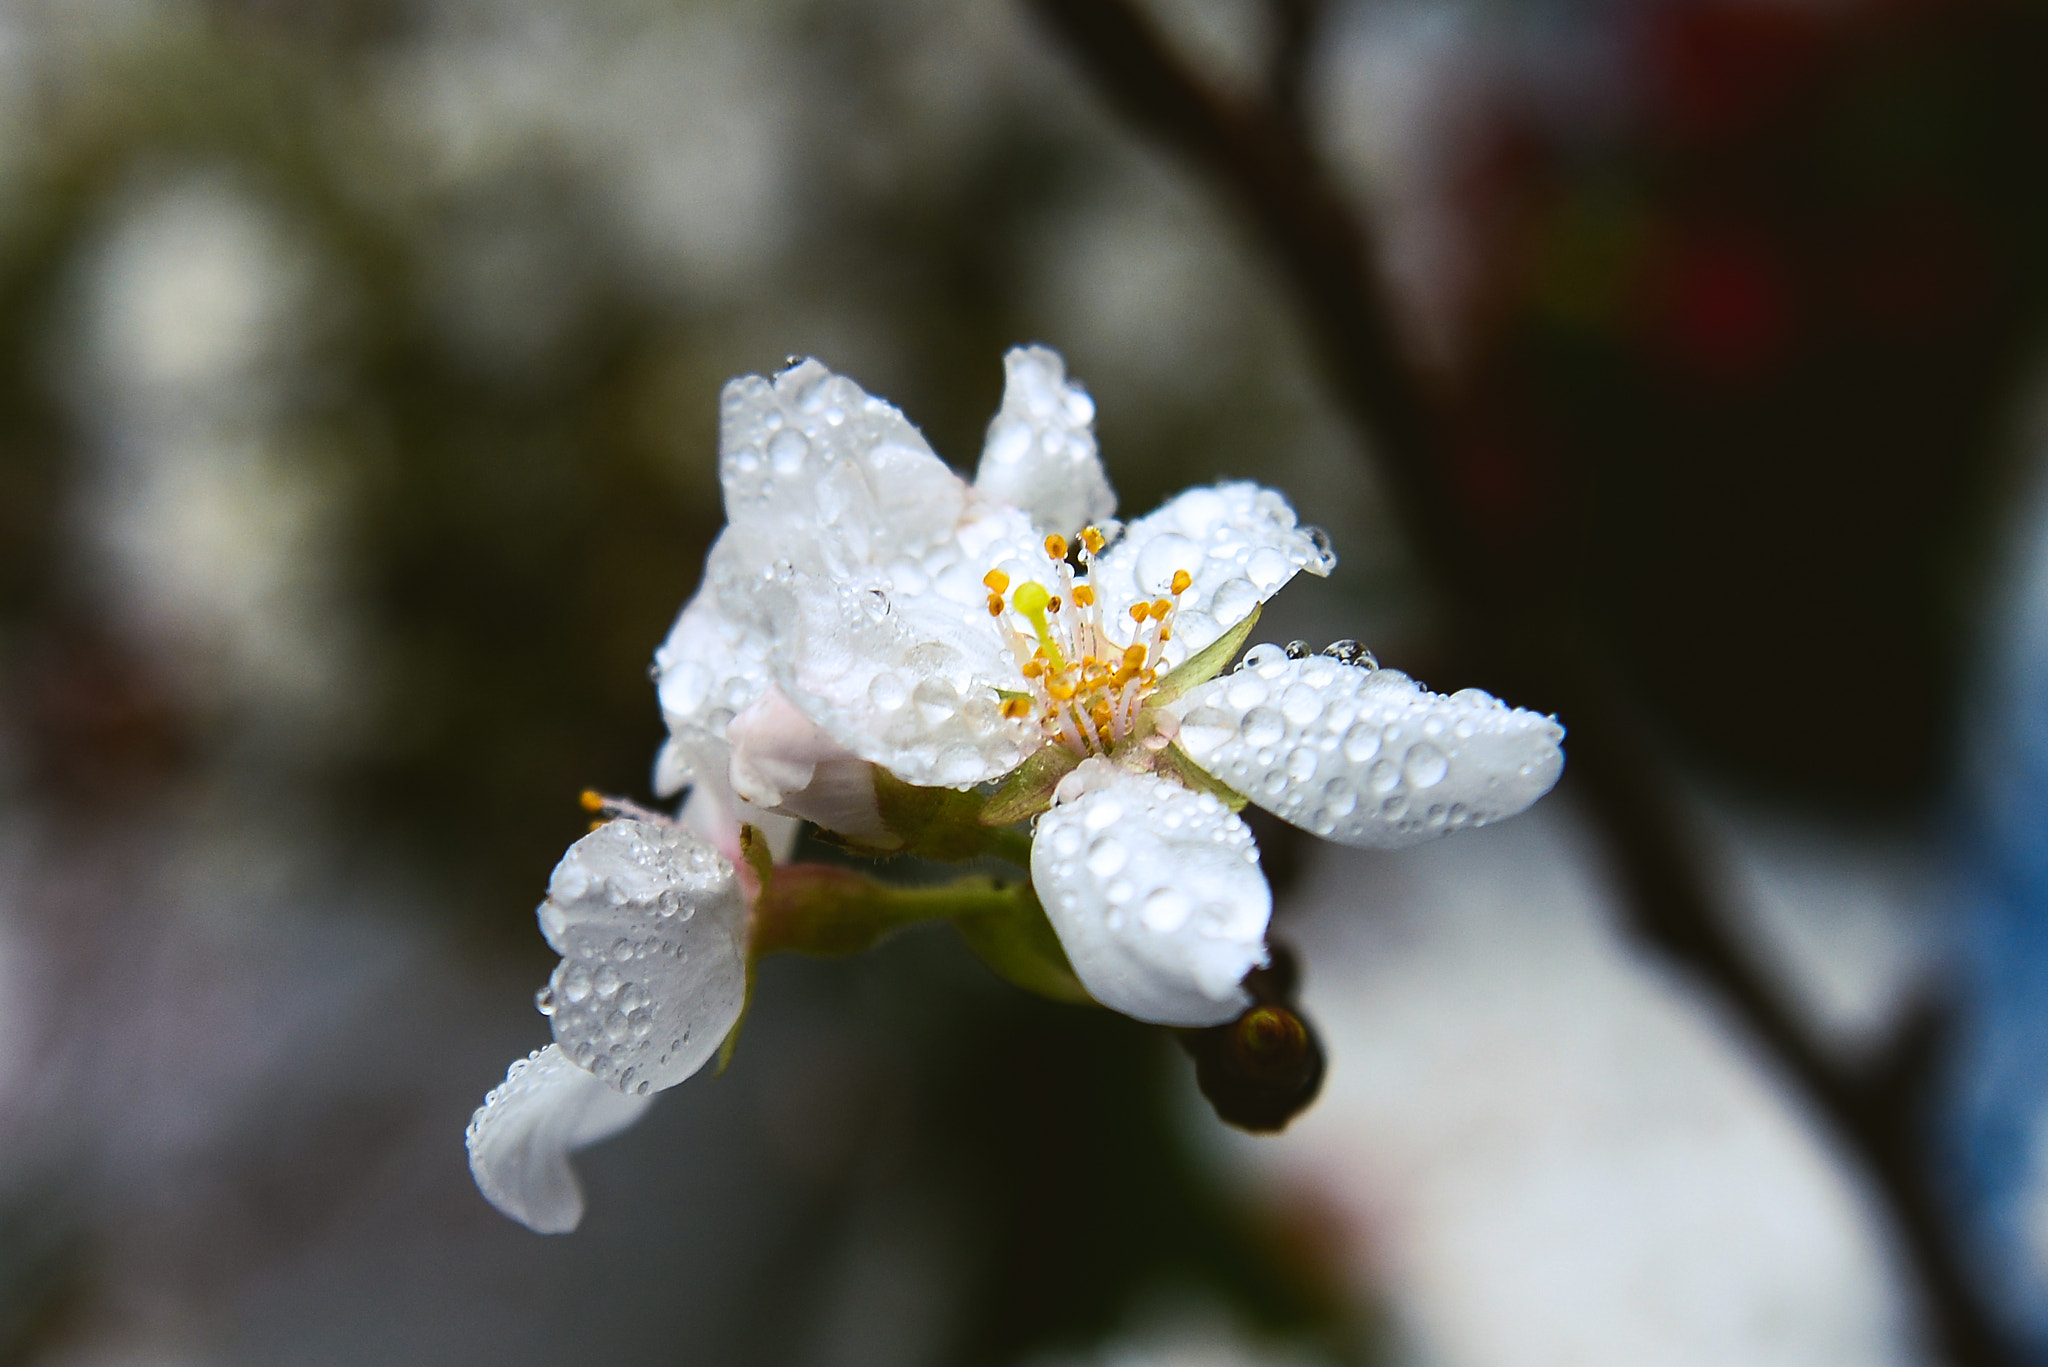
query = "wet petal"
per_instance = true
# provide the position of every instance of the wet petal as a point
(1238, 542)
(783, 760)
(651, 927)
(860, 557)
(1041, 455)
(1155, 892)
(1367, 757)
(521, 1137)
(711, 667)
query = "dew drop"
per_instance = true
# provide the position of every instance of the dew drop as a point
(544, 1000)
(887, 692)
(1426, 765)
(1166, 910)
(1263, 727)
(1297, 650)
(1164, 554)
(1361, 742)
(1206, 730)
(1107, 856)
(786, 451)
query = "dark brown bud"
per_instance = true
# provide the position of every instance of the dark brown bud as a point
(1259, 1071)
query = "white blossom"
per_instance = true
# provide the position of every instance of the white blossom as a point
(866, 608)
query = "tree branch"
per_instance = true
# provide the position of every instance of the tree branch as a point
(1504, 621)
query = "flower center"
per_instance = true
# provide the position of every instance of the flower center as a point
(1085, 690)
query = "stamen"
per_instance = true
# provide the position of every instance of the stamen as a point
(1160, 607)
(1016, 709)
(1052, 604)
(1140, 611)
(996, 580)
(995, 605)
(1056, 547)
(1181, 580)
(1092, 540)
(1084, 597)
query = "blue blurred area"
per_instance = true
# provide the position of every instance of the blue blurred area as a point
(1999, 1119)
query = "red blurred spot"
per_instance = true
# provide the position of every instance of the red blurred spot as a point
(1721, 303)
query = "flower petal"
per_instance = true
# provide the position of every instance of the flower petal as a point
(1041, 455)
(1366, 757)
(1238, 542)
(1155, 892)
(782, 760)
(652, 929)
(860, 556)
(711, 667)
(520, 1138)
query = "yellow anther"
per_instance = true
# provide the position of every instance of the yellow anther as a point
(1016, 709)
(1092, 539)
(1140, 611)
(996, 580)
(1033, 667)
(1061, 690)
(1053, 604)
(1181, 580)
(1056, 547)
(1084, 597)
(1134, 657)
(1160, 607)
(995, 605)
(592, 800)
(1166, 633)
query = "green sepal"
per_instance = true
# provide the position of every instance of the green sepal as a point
(1206, 663)
(1027, 790)
(754, 850)
(934, 823)
(1173, 762)
(1020, 947)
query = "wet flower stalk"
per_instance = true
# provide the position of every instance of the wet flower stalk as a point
(998, 672)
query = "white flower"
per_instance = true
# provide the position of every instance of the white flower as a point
(893, 614)
(651, 920)
(867, 609)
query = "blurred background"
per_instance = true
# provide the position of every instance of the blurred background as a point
(359, 363)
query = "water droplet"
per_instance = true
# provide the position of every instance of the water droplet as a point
(1361, 742)
(887, 692)
(936, 699)
(1164, 554)
(1301, 765)
(605, 981)
(1301, 704)
(1426, 765)
(875, 604)
(544, 1000)
(1107, 856)
(575, 983)
(1340, 798)
(1103, 814)
(1233, 601)
(1326, 554)
(1268, 568)
(1245, 690)
(1385, 776)
(1166, 910)
(1207, 729)
(1297, 650)
(1263, 727)
(786, 451)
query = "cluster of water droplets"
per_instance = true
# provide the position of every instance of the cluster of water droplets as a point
(650, 924)
(1156, 893)
(1363, 755)
(858, 555)
(1239, 543)
(1041, 454)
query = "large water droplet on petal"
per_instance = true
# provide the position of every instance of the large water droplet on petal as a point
(1426, 765)
(1163, 555)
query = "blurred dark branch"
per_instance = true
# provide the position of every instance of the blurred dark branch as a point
(1294, 33)
(1508, 624)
